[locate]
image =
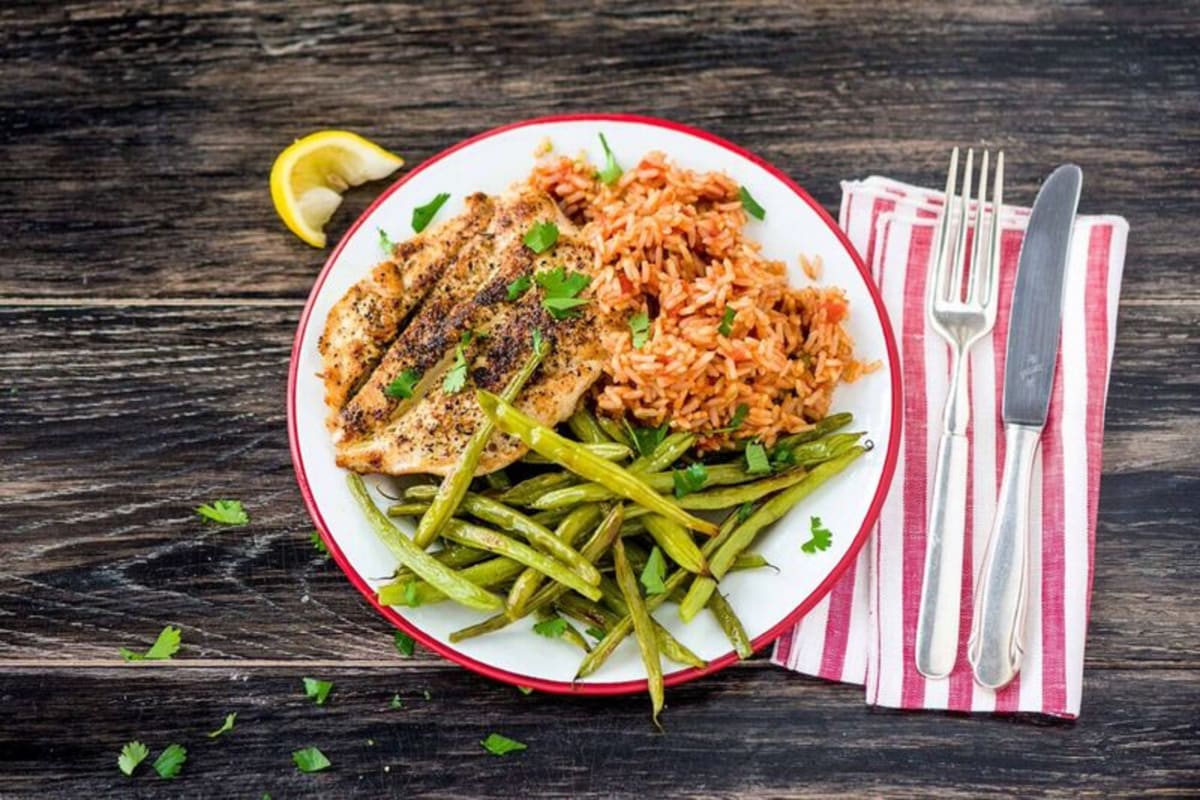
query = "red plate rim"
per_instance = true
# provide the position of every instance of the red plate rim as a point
(623, 687)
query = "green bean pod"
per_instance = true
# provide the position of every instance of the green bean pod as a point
(595, 547)
(668, 645)
(668, 451)
(457, 481)
(498, 480)
(728, 497)
(749, 561)
(530, 489)
(498, 543)
(585, 427)
(609, 451)
(731, 625)
(488, 574)
(743, 535)
(676, 543)
(825, 426)
(824, 449)
(659, 482)
(415, 558)
(413, 509)
(452, 555)
(575, 458)
(643, 627)
(567, 532)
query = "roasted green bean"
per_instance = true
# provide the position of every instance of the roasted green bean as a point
(498, 543)
(770, 511)
(668, 645)
(677, 543)
(488, 574)
(658, 482)
(665, 454)
(609, 451)
(749, 561)
(643, 627)
(567, 532)
(410, 509)
(825, 426)
(415, 558)
(585, 427)
(729, 622)
(575, 458)
(614, 430)
(452, 555)
(458, 480)
(529, 490)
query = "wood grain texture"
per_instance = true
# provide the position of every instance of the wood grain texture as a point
(148, 298)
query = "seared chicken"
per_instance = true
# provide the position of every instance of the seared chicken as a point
(375, 432)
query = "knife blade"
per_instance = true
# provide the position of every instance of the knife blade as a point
(1036, 314)
(997, 646)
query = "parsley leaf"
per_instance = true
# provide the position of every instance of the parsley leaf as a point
(427, 695)
(745, 511)
(541, 237)
(402, 388)
(411, 599)
(310, 759)
(756, 459)
(561, 290)
(456, 376)
(318, 543)
(596, 633)
(499, 745)
(736, 421)
(646, 439)
(726, 326)
(519, 287)
(385, 242)
(170, 761)
(612, 170)
(639, 326)
(226, 726)
(820, 536)
(404, 643)
(750, 204)
(525, 690)
(690, 480)
(551, 627)
(423, 215)
(654, 572)
(396, 702)
(165, 646)
(318, 690)
(132, 754)
(224, 512)
(783, 456)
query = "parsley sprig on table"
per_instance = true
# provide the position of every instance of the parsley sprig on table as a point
(310, 759)
(224, 512)
(317, 690)
(132, 754)
(499, 745)
(165, 646)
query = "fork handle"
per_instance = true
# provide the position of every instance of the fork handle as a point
(941, 588)
(998, 627)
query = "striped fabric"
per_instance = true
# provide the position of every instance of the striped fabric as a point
(864, 631)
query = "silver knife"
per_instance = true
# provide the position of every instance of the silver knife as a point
(997, 630)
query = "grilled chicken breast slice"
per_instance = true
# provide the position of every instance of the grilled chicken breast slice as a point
(363, 323)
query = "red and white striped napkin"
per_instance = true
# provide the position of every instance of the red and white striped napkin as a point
(864, 630)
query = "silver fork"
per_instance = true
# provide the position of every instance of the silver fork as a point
(961, 319)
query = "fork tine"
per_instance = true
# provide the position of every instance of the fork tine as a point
(954, 293)
(941, 262)
(978, 267)
(991, 291)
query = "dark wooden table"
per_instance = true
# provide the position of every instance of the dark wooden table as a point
(148, 297)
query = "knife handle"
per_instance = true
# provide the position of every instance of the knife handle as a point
(997, 630)
(941, 587)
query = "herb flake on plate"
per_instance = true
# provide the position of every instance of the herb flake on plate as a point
(423, 215)
(541, 237)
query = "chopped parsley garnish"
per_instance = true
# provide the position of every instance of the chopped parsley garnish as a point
(226, 726)
(646, 439)
(456, 376)
(757, 462)
(411, 598)
(726, 326)
(224, 512)
(170, 761)
(653, 573)
(539, 344)
(541, 237)
(551, 628)
(519, 287)
(596, 633)
(820, 537)
(690, 480)
(317, 690)
(525, 690)
(612, 170)
(499, 745)
(423, 215)
(560, 290)
(402, 388)
(310, 759)
(385, 242)
(427, 695)
(132, 754)
(736, 421)
(165, 646)
(783, 456)
(750, 204)
(396, 702)
(404, 643)
(639, 326)
(745, 511)
(318, 543)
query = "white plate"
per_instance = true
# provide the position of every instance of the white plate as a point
(767, 601)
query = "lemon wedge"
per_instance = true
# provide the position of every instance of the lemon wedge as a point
(308, 178)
